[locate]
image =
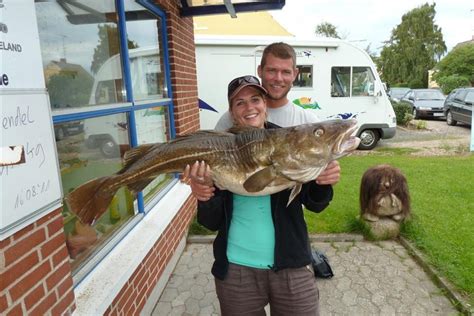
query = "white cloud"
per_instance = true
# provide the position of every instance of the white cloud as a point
(371, 22)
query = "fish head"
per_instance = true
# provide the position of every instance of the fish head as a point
(328, 140)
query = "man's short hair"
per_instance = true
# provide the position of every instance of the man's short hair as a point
(279, 50)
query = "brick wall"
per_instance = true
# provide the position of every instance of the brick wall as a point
(36, 275)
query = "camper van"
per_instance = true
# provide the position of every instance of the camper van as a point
(336, 79)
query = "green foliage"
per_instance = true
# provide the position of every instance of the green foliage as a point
(327, 29)
(449, 83)
(70, 90)
(413, 48)
(108, 45)
(460, 63)
(401, 110)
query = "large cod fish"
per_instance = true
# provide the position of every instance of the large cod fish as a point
(246, 161)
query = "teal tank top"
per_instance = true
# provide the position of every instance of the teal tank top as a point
(251, 240)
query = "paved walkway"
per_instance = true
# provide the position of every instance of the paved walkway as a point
(371, 278)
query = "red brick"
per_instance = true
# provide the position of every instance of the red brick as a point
(22, 232)
(44, 305)
(63, 305)
(60, 256)
(15, 311)
(52, 245)
(14, 272)
(34, 297)
(3, 303)
(4, 243)
(48, 217)
(55, 226)
(30, 280)
(24, 246)
(65, 286)
(58, 274)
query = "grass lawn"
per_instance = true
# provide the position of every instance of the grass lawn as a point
(442, 224)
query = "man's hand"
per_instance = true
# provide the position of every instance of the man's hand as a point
(330, 175)
(199, 178)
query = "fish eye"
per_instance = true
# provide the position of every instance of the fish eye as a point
(318, 132)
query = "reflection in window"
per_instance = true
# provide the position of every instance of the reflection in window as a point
(305, 76)
(84, 154)
(82, 63)
(146, 59)
(361, 84)
(153, 127)
(362, 81)
(340, 81)
(78, 53)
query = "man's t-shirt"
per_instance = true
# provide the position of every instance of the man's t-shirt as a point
(285, 116)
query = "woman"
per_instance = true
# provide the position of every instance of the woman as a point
(262, 253)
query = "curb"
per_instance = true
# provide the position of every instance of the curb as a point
(458, 301)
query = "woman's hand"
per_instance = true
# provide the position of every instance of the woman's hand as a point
(199, 178)
(331, 174)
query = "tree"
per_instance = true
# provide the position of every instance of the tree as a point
(456, 69)
(414, 47)
(327, 29)
(108, 45)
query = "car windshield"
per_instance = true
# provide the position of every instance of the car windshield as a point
(429, 95)
(398, 92)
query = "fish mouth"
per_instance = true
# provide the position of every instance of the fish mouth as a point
(346, 142)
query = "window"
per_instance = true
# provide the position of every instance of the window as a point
(305, 76)
(352, 82)
(108, 81)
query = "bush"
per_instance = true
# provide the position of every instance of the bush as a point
(401, 111)
(449, 83)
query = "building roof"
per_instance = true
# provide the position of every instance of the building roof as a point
(248, 23)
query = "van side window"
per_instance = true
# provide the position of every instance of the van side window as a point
(340, 81)
(305, 76)
(362, 81)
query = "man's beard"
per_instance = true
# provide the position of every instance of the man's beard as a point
(281, 96)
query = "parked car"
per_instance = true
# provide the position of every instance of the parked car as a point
(425, 102)
(458, 106)
(62, 130)
(396, 93)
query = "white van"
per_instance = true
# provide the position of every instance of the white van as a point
(336, 79)
(109, 133)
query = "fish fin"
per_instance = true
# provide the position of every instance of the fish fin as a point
(132, 155)
(294, 192)
(89, 201)
(259, 180)
(139, 185)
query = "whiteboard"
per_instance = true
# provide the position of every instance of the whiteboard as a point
(32, 188)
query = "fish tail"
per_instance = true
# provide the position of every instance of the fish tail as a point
(90, 200)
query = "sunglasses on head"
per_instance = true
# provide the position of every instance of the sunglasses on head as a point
(237, 82)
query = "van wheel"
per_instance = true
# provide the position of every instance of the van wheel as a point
(109, 149)
(449, 119)
(368, 139)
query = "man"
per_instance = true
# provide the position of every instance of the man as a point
(277, 70)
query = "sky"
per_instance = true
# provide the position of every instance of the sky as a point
(365, 22)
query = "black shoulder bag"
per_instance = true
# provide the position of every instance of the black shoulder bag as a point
(321, 266)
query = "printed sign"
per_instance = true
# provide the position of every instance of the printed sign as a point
(21, 65)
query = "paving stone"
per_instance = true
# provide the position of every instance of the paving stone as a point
(370, 279)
